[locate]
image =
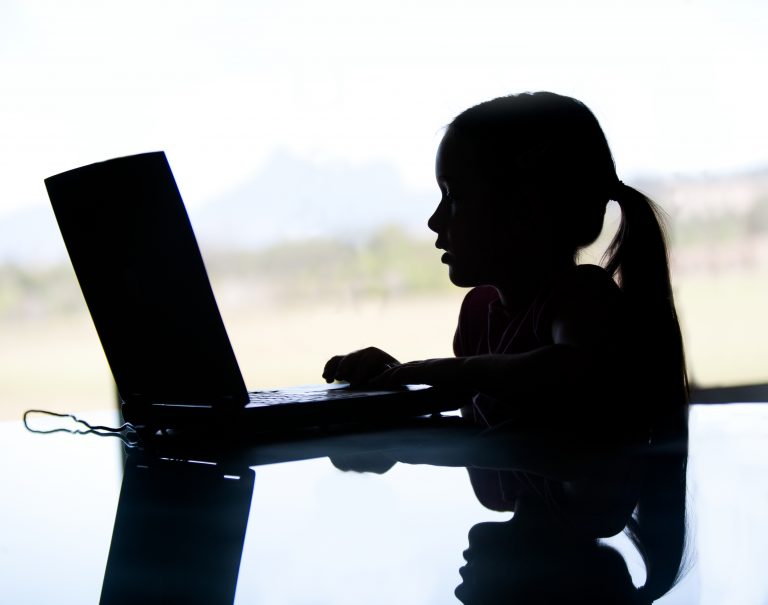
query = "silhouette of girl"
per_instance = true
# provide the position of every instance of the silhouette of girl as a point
(590, 354)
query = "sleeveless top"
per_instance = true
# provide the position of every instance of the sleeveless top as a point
(486, 327)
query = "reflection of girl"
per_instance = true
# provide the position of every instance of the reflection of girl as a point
(566, 496)
(543, 343)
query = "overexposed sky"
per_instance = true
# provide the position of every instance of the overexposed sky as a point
(678, 85)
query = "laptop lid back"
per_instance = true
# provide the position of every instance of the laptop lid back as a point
(139, 266)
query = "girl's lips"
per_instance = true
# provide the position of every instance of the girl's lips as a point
(446, 258)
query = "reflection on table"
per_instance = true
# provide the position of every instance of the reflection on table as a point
(184, 506)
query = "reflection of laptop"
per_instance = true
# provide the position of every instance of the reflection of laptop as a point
(179, 533)
(140, 269)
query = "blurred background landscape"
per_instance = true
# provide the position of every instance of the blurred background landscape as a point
(303, 138)
(292, 300)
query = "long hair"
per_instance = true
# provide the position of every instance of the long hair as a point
(638, 256)
(552, 149)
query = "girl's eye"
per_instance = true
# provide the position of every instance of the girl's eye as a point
(449, 195)
(451, 204)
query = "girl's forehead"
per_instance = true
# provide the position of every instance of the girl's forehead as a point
(454, 159)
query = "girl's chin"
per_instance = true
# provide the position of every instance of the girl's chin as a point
(463, 279)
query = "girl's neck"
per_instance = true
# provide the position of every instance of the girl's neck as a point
(518, 293)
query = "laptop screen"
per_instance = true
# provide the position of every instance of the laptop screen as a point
(140, 269)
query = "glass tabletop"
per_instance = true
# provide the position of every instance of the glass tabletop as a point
(376, 517)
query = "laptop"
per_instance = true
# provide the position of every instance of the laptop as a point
(139, 266)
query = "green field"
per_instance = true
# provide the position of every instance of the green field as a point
(724, 327)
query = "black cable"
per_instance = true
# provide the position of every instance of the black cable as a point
(125, 432)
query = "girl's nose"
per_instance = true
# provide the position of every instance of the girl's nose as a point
(435, 221)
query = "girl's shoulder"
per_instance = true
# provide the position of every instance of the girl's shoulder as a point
(472, 331)
(593, 277)
(588, 305)
(586, 285)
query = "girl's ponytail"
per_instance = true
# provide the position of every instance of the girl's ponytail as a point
(638, 257)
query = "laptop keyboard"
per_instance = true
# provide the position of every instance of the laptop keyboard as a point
(278, 397)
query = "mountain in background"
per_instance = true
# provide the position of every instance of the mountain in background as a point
(293, 199)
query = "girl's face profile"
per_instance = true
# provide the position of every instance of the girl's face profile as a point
(472, 220)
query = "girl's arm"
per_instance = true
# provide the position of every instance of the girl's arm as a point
(541, 373)
(588, 334)
(588, 349)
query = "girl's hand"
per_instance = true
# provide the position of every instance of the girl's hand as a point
(358, 367)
